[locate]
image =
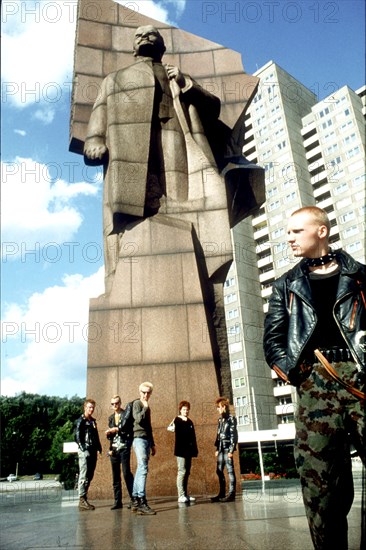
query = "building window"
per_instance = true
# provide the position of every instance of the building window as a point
(266, 155)
(235, 347)
(332, 149)
(273, 205)
(354, 247)
(350, 231)
(359, 180)
(234, 329)
(238, 382)
(349, 216)
(326, 124)
(349, 123)
(276, 121)
(232, 314)
(259, 120)
(282, 262)
(324, 112)
(229, 298)
(230, 281)
(349, 139)
(241, 401)
(264, 142)
(285, 400)
(272, 192)
(280, 247)
(329, 136)
(341, 188)
(287, 419)
(290, 197)
(262, 131)
(237, 364)
(278, 233)
(243, 420)
(352, 152)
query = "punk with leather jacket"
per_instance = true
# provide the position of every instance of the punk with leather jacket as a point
(86, 435)
(291, 318)
(227, 434)
(123, 438)
(120, 444)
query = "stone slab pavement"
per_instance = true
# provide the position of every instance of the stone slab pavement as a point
(41, 515)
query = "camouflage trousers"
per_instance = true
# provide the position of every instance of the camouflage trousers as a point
(328, 420)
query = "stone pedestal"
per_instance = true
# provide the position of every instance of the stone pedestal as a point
(153, 327)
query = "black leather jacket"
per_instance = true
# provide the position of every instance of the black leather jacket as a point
(291, 318)
(227, 434)
(86, 435)
(124, 434)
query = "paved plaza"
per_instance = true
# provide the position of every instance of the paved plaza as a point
(41, 515)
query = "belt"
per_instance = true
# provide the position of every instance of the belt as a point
(333, 355)
(337, 355)
(333, 373)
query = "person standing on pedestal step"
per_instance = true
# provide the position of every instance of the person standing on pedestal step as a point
(143, 446)
(185, 449)
(87, 438)
(120, 435)
(225, 443)
(314, 339)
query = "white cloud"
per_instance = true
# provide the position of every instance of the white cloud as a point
(36, 210)
(38, 47)
(45, 115)
(20, 132)
(166, 11)
(178, 5)
(152, 9)
(51, 329)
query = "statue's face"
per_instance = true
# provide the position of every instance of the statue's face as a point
(148, 42)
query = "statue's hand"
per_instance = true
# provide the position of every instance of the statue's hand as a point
(175, 73)
(95, 151)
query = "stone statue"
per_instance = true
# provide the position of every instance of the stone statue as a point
(158, 135)
(175, 184)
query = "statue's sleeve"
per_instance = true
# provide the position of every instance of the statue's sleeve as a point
(207, 104)
(97, 127)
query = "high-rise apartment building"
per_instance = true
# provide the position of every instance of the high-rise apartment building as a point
(313, 154)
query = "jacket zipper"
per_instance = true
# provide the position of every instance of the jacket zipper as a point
(353, 314)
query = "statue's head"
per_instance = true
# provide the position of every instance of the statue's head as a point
(148, 42)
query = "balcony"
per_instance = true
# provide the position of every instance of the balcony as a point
(261, 233)
(321, 190)
(266, 276)
(285, 409)
(265, 261)
(279, 391)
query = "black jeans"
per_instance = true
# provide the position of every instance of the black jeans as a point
(118, 459)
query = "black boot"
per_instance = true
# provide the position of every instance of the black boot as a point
(135, 502)
(144, 509)
(217, 498)
(229, 498)
(117, 505)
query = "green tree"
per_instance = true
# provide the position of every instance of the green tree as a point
(29, 425)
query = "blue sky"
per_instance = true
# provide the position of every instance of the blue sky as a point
(51, 203)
